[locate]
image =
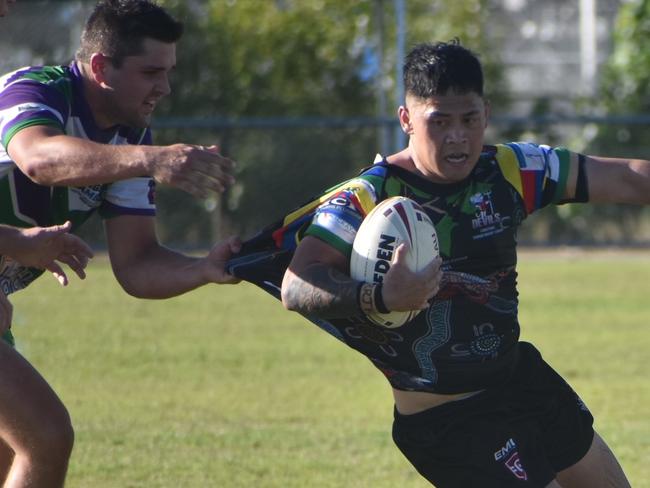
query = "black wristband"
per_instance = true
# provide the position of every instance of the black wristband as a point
(582, 185)
(366, 297)
(379, 299)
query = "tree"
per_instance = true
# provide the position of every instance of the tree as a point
(624, 92)
(288, 58)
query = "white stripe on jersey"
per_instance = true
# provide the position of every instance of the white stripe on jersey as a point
(9, 114)
(553, 166)
(132, 193)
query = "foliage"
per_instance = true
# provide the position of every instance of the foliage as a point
(625, 87)
(624, 90)
(447, 19)
(626, 82)
(301, 59)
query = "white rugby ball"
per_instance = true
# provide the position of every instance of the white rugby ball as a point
(393, 221)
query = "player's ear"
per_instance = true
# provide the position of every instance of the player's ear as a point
(98, 66)
(405, 119)
(488, 109)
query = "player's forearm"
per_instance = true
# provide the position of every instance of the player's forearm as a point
(616, 180)
(641, 180)
(161, 273)
(321, 291)
(10, 240)
(69, 161)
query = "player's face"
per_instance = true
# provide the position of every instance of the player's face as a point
(136, 87)
(446, 134)
(4, 6)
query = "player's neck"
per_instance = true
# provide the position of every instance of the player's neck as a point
(96, 99)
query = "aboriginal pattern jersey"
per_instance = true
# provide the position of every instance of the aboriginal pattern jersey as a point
(467, 338)
(53, 96)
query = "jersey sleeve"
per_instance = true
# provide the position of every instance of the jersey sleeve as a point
(135, 196)
(337, 220)
(538, 173)
(25, 102)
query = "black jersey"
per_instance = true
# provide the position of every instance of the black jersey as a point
(467, 339)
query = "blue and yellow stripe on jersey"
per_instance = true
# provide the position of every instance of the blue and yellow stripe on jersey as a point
(290, 230)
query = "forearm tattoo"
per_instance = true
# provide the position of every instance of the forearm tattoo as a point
(323, 291)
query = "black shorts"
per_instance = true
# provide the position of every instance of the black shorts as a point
(516, 435)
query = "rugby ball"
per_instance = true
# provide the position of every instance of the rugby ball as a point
(393, 221)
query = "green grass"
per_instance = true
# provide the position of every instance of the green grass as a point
(223, 388)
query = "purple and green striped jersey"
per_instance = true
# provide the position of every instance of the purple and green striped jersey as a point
(467, 339)
(53, 96)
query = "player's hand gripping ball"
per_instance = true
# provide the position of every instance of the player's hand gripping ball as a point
(393, 221)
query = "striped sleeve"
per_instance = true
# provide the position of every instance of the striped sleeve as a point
(337, 220)
(133, 196)
(25, 103)
(538, 173)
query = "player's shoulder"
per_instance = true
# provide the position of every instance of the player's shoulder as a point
(35, 87)
(37, 75)
(524, 155)
(368, 183)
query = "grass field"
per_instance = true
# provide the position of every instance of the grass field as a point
(222, 388)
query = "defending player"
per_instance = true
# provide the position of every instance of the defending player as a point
(74, 140)
(39, 247)
(474, 405)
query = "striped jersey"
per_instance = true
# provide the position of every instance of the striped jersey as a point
(53, 96)
(467, 339)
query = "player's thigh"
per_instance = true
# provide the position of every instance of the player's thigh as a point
(597, 469)
(29, 408)
(6, 458)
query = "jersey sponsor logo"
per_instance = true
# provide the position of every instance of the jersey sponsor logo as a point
(340, 216)
(336, 224)
(487, 221)
(514, 465)
(384, 257)
(505, 450)
(84, 197)
(340, 200)
(345, 200)
(485, 215)
(10, 117)
(30, 107)
(510, 457)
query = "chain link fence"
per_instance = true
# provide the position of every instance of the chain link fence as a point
(282, 162)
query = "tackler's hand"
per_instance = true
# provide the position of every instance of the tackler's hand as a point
(217, 259)
(198, 170)
(42, 247)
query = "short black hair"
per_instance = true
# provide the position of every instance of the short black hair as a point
(117, 28)
(432, 69)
